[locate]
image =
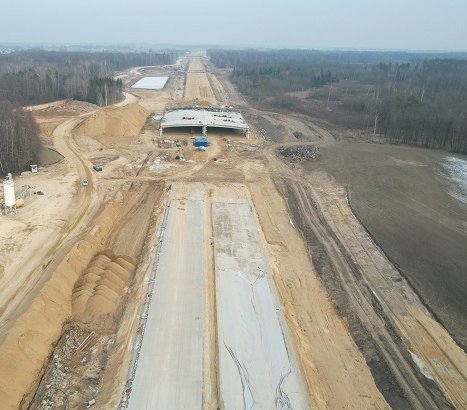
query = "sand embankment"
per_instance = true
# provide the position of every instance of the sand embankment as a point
(111, 124)
(31, 340)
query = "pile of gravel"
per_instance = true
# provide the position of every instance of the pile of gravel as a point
(299, 153)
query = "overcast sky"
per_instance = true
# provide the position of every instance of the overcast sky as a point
(361, 24)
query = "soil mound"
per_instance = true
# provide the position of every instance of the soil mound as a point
(113, 122)
(99, 289)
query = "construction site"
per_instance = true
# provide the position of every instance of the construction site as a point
(177, 256)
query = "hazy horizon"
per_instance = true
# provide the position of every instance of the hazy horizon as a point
(421, 25)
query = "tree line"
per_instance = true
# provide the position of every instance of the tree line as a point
(38, 85)
(108, 61)
(410, 98)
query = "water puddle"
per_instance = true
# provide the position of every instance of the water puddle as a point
(455, 169)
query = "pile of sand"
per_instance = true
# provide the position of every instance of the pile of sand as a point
(30, 341)
(114, 122)
(101, 286)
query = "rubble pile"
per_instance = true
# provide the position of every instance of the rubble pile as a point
(73, 374)
(299, 153)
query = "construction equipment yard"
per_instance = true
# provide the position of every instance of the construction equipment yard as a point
(226, 278)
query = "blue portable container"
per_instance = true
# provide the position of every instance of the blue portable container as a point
(201, 142)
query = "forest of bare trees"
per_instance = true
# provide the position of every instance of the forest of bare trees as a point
(19, 140)
(414, 99)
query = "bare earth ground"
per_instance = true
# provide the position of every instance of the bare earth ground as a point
(356, 329)
(419, 225)
(197, 85)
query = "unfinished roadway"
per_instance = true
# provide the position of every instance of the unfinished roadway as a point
(256, 361)
(216, 334)
(256, 365)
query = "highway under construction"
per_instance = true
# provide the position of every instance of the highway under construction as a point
(221, 278)
(257, 363)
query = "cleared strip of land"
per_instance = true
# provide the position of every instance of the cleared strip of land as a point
(255, 368)
(197, 85)
(169, 374)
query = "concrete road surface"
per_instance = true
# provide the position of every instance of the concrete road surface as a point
(169, 373)
(255, 369)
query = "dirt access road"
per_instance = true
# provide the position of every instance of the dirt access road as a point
(22, 280)
(57, 218)
(378, 303)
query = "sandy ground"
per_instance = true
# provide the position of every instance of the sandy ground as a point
(356, 344)
(40, 237)
(336, 372)
(50, 219)
(198, 88)
(41, 220)
(50, 116)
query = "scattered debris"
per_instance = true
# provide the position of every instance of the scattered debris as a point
(158, 165)
(299, 153)
(73, 375)
(166, 143)
(90, 403)
(87, 343)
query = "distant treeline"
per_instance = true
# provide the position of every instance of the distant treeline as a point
(410, 98)
(38, 76)
(112, 61)
(19, 141)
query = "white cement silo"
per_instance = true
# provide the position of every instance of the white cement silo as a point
(9, 191)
